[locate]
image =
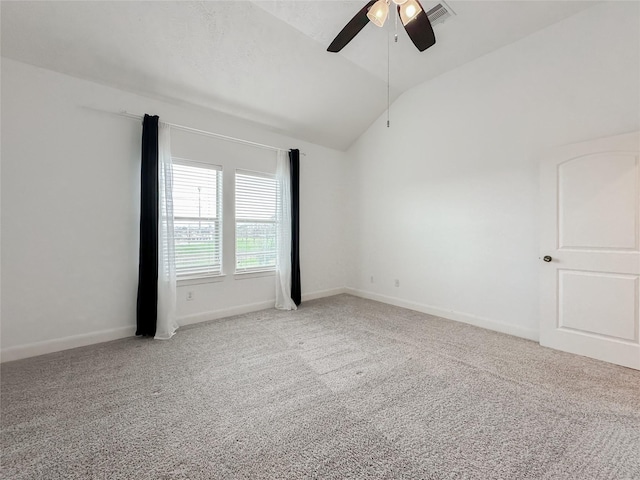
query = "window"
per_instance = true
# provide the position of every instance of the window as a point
(255, 222)
(197, 218)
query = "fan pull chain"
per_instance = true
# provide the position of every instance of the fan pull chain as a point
(396, 33)
(395, 39)
(389, 80)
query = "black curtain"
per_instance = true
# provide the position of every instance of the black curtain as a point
(147, 308)
(294, 161)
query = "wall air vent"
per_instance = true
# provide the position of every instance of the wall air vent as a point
(440, 13)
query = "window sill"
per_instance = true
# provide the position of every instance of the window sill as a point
(185, 281)
(248, 275)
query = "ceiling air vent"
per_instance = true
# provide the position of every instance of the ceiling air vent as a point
(440, 13)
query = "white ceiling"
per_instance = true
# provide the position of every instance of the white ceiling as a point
(264, 61)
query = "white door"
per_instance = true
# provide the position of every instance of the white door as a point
(590, 249)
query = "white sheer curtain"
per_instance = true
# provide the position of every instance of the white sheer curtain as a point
(283, 222)
(166, 324)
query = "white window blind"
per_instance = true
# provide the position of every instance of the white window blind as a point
(255, 222)
(197, 212)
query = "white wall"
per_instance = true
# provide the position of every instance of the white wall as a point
(446, 199)
(70, 205)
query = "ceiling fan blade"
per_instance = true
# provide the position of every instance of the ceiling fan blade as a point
(351, 29)
(420, 30)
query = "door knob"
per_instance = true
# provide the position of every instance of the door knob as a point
(547, 258)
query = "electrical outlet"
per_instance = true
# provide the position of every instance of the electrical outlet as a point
(189, 296)
(397, 282)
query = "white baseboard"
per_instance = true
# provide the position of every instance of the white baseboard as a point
(224, 312)
(489, 324)
(252, 307)
(58, 344)
(323, 293)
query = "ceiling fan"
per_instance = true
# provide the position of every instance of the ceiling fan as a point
(411, 13)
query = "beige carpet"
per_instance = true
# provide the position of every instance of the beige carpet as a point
(342, 388)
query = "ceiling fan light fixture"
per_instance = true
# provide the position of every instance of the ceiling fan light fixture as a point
(399, 2)
(378, 13)
(416, 23)
(409, 10)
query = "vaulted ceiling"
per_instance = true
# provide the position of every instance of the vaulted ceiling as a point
(264, 61)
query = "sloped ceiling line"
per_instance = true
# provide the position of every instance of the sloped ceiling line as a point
(263, 61)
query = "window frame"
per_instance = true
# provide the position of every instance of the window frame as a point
(191, 278)
(257, 271)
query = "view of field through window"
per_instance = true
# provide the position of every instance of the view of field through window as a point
(197, 204)
(197, 210)
(255, 222)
